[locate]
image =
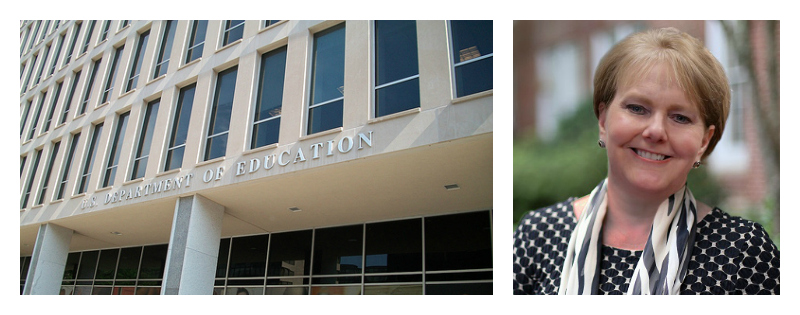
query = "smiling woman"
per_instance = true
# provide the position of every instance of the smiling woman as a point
(661, 100)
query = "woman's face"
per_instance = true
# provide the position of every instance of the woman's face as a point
(653, 135)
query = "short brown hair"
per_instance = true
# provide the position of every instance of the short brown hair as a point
(696, 71)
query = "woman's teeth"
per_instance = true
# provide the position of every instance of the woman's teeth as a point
(651, 156)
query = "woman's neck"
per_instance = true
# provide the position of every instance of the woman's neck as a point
(629, 218)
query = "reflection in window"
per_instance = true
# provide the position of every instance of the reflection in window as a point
(180, 128)
(217, 140)
(290, 254)
(327, 80)
(472, 56)
(248, 256)
(337, 250)
(396, 67)
(385, 252)
(461, 241)
(267, 117)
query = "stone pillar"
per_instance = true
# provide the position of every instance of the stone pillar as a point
(48, 260)
(193, 247)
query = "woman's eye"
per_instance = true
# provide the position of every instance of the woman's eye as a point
(636, 109)
(681, 119)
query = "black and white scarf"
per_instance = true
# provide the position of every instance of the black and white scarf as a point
(662, 266)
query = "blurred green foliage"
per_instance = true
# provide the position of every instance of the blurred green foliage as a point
(572, 164)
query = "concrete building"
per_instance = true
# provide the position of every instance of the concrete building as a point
(256, 157)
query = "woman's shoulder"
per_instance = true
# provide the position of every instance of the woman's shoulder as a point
(561, 210)
(728, 241)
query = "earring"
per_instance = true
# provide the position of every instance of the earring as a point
(696, 164)
(601, 143)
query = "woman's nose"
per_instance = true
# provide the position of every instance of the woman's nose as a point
(654, 131)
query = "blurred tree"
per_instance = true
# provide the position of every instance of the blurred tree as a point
(756, 44)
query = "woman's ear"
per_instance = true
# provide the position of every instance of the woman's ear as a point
(601, 119)
(707, 135)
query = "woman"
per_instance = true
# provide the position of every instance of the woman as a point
(661, 100)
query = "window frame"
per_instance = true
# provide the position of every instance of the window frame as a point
(71, 50)
(67, 166)
(35, 122)
(87, 93)
(175, 126)
(455, 64)
(45, 181)
(52, 110)
(212, 121)
(145, 136)
(312, 82)
(32, 173)
(170, 27)
(54, 63)
(88, 39)
(68, 101)
(88, 161)
(259, 95)
(193, 43)
(137, 60)
(42, 65)
(110, 171)
(111, 75)
(375, 70)
(227, 29)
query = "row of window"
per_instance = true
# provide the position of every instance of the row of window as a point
(449, 254)
(396, 89)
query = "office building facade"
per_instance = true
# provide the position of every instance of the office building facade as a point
(256, 157)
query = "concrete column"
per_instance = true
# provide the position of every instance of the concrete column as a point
(48, 260)
(193, 247)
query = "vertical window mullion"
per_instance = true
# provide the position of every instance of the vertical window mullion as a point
(41, 65)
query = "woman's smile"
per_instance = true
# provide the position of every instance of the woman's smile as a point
(650, 155)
